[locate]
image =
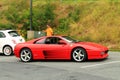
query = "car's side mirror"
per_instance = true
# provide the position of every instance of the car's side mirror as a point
(62, 42)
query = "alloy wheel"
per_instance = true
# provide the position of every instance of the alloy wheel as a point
(79, 55)
(26, 55)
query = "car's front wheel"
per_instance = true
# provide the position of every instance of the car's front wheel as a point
(79, 55)
(7, 50)
(26, 55)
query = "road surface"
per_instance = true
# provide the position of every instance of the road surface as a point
(11, 68)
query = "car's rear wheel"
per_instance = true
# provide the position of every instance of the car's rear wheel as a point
(79, 55)
(26, 55)
(7, 50)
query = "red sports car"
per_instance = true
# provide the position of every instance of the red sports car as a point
(59, 47)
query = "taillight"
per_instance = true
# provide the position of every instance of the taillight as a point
(14, 41)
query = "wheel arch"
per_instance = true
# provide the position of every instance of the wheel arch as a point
(24, 48)
(79, 47)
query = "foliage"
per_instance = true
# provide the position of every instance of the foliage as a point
(6, 26)
(63, 26)
(42, 16)
(86, 20)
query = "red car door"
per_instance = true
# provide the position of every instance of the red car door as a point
(56, 51)
(53, 50)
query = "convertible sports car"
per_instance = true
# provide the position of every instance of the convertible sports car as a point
(59, 47)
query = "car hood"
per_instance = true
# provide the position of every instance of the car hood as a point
(91, 45)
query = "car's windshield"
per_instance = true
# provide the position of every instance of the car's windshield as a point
(69, 39)
(13, 33)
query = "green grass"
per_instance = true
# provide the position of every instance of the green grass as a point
(99, 21)
(115, 50)
(86, 20)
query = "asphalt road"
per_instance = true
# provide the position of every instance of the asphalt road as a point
(11, 68)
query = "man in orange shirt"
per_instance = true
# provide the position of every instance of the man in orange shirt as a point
(49, 31)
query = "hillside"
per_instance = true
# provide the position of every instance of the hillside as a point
(90, 20)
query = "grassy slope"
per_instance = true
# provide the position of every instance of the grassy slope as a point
(99, 20)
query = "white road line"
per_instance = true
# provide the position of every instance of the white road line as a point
(100, 64)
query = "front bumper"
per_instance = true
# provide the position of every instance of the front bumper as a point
(98, 54)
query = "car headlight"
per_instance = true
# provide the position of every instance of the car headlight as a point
(102, 52)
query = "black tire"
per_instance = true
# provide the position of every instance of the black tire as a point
(26, 55)
(79, 55)
(7, 51)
